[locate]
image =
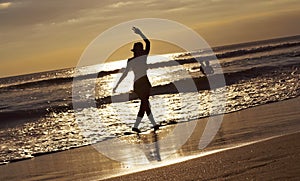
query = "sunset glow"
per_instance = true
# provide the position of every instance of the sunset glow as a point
(45, 35)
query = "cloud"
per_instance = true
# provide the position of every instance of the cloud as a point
(39, 27)
(121, 4)
(31, 12)
(5, 5)
(173, 10)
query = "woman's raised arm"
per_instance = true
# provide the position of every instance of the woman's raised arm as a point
(139, 32)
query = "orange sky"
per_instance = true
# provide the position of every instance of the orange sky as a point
(39, 35)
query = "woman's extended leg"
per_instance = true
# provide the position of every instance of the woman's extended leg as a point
(139, 117)
(145, 107)
(149, 113)
(142, 89)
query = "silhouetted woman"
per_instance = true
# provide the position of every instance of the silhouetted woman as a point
(142, 86)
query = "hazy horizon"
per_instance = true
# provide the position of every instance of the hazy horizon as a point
(40, 35)
(111, 60)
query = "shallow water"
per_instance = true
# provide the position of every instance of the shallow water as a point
(238, 129)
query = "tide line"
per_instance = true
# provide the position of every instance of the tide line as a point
(152, 165)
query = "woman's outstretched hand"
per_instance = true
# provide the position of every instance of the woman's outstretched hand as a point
(137, 31)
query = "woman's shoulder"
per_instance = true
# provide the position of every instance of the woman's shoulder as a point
(129, 59)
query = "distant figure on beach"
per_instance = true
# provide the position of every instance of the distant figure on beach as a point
(205, 68)
(142, 86)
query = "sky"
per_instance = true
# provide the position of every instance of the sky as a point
(40, 35)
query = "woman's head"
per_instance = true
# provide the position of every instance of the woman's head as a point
(138, 48)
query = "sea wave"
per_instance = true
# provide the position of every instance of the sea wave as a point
(202, 83)
(67, 75)
(204, 55)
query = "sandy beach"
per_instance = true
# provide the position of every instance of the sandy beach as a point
(259, 143)
(275, 159)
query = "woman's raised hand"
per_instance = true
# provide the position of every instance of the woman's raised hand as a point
(137, 30)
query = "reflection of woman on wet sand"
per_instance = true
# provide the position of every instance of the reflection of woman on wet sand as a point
(142, 86)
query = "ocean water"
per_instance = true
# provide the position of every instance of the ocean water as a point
(36, 110)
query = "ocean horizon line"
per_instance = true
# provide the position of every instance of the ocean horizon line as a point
(214, 48)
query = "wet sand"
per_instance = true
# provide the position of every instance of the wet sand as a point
(275, 159)
(268, 159)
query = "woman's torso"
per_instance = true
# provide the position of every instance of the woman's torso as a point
(139, 66)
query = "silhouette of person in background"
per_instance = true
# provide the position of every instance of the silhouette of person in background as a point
(142, 86)
(206, 69)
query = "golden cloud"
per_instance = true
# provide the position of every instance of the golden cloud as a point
(5, 5)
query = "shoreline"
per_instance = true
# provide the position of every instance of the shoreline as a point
(245, 126)
(171, 124)
(245, 162)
